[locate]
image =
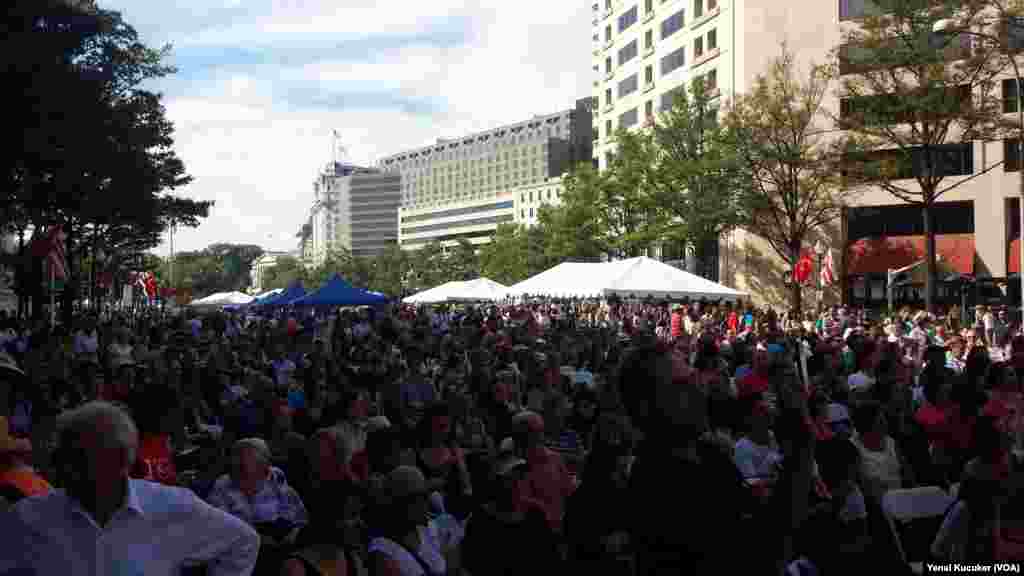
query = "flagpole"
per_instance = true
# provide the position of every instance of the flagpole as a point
(53, 296)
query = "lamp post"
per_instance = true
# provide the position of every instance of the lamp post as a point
(945, 27)
(819, 251)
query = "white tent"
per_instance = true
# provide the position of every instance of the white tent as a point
(224, 299)
(479, 290)
(640, 277)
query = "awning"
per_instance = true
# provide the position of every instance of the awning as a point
(877, 255)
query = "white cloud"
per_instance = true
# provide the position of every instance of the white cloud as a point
(256, 152)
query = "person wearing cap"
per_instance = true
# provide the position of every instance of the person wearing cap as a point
(17, 478)
(509, 521)
(103, 522)
(409, 544)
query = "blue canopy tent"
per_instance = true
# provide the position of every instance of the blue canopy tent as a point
(337, 292)
(293, 292)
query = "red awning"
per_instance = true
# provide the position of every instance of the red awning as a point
(877, 255)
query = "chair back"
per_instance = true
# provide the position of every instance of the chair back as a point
(915, 516)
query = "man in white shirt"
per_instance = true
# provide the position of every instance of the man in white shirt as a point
(103, 523)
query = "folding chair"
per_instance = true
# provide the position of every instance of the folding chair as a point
(914, 516)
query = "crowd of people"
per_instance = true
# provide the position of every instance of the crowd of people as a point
(614, 438)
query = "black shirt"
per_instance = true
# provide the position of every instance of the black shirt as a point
(526, 547)
(687, 515)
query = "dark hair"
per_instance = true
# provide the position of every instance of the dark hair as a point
(865, 415)
(988, 439)
(835, 458)
(638, 375)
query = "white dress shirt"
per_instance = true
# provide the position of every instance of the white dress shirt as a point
(157, 531)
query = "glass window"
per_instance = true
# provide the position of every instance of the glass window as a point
(629, 118)
(608, 64)
(672, 24)
(607, 128)
(648, 39)
(698, 8)
(627, 52)
(648, 74)
(712, 39)
(627, 18)
(698, 47)
(674, 60)
(649, 109)
(648, 6)
(608, 33)
(607, 96)
(628, 86)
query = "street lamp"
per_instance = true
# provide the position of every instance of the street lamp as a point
(819, 251)
(946, 27)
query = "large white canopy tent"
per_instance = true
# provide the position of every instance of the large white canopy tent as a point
(479, 290)
(223, 299)
(635, 277)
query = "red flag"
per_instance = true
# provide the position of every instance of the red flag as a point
(51, 247)
(804, 267)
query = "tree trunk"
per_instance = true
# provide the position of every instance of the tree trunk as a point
(795, 288)
(70, 284)
(931, 271)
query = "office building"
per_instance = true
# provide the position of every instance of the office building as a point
(643, 50)
(354, 209)
(474, 178)
(530, 198)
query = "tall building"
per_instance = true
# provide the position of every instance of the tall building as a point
(355, 209)
(474, 178)
(643, 50)
(531, 198)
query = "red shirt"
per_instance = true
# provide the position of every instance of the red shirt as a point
(752, 383)
(155, 461)
(548, 483)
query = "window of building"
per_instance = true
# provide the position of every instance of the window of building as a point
(648, 6)
(667, 99)
(627, 19)
(672, 24)
(698, 47)
(711, 80)
(712, 39)
(608, 33)
(627, 52)
(531, 196)
(608, 128)
(607, 4)
(946, 159)
(1011, 155)
(1009, 96)
(531, 212)
(608, 65)
(648, 74)
(698, 8)
(628, 86)
(672, 61)
(649, 109)
(853, 9)
(629, 118)
(648, 39)
(712, 4)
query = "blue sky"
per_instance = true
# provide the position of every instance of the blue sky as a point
(262, 83)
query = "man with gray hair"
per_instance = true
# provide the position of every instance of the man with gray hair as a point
(103, 522)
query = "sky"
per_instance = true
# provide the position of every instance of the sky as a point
(261, 85)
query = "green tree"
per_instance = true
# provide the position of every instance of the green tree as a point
(693, 175)
(579, 227)
(788, 182)
(505, 258)
(910, 97)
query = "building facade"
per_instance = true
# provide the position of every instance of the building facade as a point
(355, 209)
(530, 198)
(470, 177)
(472, 220)
(260, 266)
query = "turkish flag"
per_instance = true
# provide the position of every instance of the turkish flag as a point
(803, 269)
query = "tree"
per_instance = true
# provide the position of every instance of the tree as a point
(788, 184)
(579, 227)
(504, 258)
(910, 97)
(392, 270)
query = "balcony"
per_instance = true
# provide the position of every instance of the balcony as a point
(648, 87)
(648, 51)
(707, 16)
(648, 17)
(607, 44)
(609, 75)
(608, 108)
(707, 55)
